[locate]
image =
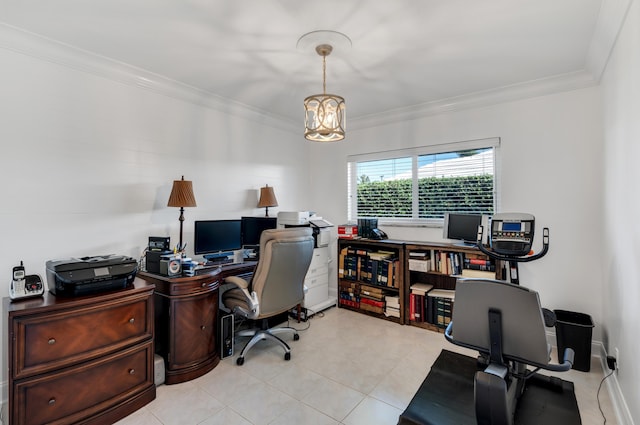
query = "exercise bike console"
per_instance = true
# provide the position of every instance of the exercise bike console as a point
(512, 234)
(511, 240)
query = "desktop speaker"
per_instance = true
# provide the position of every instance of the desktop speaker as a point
(171, 267)
(152, 260)
(226, 336)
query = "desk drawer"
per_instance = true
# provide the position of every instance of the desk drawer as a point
(48, 342)
(74, 394)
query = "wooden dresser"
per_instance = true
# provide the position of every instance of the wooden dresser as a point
(82, 359)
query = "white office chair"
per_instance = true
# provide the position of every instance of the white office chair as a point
(277, 285)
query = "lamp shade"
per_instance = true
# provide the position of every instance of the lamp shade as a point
(267, 197)
(182, 194)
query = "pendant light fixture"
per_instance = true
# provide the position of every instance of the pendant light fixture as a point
(324, 113)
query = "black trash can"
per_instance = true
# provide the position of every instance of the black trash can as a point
(573, 330)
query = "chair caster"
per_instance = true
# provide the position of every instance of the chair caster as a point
(287, 356)
(296, 337)
(240, 361)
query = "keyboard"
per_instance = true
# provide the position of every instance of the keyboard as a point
(218, 262)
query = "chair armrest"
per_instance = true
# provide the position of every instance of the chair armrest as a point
(237, 281)
(251, 298)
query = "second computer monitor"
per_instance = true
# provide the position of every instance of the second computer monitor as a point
(252, 227)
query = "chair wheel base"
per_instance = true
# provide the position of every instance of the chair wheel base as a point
(240, 361)
(296, 337)
(287, 356)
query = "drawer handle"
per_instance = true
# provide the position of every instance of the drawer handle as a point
(203, 284)
(52, 401)
(132, 320)
(51, 341)
(132, 371)
(203, 327)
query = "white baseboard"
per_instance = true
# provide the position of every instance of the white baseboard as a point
(620, 408)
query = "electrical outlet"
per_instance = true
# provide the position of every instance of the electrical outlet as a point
(616, 353)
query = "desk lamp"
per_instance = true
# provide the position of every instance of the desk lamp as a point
(181, 196)
(267, 199)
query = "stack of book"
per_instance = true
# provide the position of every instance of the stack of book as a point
(429, 305)
(419, 261)
(417, 301)
(392, 306)
(478, 266)
(348, 294)
(372, 299)
(375, 268)
(440, 307)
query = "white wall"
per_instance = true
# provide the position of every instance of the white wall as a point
(87, 165)
(621, 292)
(551, 159)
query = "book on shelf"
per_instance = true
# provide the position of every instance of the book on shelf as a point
(421, 288)
(418, 302)
(392, 312)
(368, 266)
(371, 301)
(420, 265)
(374, 293)
(392, 306)
(439, 306)
(392, 300)
(483, 274)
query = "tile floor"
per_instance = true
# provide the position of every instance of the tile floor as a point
(347, 368)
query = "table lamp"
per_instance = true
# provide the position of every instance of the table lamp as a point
(267, 199)
(181, 196)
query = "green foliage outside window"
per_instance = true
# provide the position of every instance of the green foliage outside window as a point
(437, 196)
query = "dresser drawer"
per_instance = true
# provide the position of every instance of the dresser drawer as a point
(48, 342)
(77, 393)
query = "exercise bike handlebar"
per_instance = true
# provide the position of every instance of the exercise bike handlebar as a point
(567, 362)
(502, 257)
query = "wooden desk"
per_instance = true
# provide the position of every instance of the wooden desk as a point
(186, 320)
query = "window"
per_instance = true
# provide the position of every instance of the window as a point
(420, 185)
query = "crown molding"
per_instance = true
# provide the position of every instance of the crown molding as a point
(42, 48)
(610, 21)
(555, 84)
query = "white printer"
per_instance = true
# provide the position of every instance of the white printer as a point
(321, 232)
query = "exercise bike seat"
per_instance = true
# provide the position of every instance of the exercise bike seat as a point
(506, 324)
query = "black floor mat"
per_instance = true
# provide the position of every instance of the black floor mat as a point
(446, 397)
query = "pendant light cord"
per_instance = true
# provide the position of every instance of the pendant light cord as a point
(324, 74)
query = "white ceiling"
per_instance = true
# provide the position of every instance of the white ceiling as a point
(404, 53)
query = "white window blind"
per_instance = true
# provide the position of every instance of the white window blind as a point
(422, 184)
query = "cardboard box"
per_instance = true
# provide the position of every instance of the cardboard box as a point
(347, 230)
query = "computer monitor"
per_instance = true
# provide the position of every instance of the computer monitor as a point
(213, 237)
(462, 227)
(252, 227)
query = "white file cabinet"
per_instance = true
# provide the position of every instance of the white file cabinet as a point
(317, 282)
